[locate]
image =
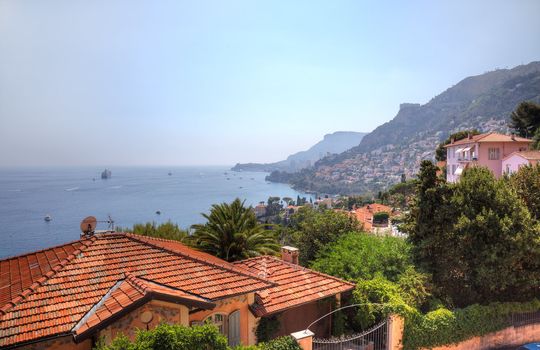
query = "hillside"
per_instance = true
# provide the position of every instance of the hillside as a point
(334, 143)
(397, 147)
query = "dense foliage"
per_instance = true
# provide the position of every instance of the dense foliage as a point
(469, 234)
(177, 337)
(167, 230)
(311, 230)
(358, 255)
(167, 337)
(233, 233)
(526, 182)
(442, 326)
(525, 120)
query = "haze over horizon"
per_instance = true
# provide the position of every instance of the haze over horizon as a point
(181, 83)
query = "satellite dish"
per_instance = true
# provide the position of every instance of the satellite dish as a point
(88, 224)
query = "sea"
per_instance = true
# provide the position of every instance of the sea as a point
(132, 195)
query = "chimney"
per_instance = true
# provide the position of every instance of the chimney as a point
(469, 135)
(513, 137)
(452, 140)
(290, 254)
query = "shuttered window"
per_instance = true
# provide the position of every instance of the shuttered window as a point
(234, 329)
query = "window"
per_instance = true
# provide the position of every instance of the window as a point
(228, 325)
(220, 320)
(493, 154)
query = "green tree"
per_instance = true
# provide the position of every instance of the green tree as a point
(233, 233)
(496, 238)
(526, 182)
(166, 230)
(470, 234)
(525, 119)
(440, 152)
(273, 206)
(312, 230)
(358, 255)
(429, 226)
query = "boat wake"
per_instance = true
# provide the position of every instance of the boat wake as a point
(71, 189)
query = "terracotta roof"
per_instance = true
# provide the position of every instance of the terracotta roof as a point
(53, 301)
(365, 214)
(529, 155)
(296, 285)
(125, 296)
(489, 137)
(20, 272)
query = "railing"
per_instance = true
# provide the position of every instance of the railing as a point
(525, 318)
(374, 338)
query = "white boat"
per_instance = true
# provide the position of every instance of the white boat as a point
(47, 218)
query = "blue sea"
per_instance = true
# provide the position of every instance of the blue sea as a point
(131, 195)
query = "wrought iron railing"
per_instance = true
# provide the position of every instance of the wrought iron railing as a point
(374, 338)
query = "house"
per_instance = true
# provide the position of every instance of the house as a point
(324, 202)
(68, 296)
(516, 160)
(260, 210)
(365, 214)
(486, 150)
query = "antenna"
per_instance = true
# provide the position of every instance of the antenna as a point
(110, 221)
(88, 225)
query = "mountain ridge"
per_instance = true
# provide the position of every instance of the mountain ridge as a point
(335, 142)
(397, 147)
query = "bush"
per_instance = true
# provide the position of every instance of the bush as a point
(167, 337)
(442, 326)
(379, 298)
(177, 337)
(361, 256)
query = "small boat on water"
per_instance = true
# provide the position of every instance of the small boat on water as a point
(47, 218)
(106, 174)
(158, 212)
(169, 173)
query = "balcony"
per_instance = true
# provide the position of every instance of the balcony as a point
(467, 159)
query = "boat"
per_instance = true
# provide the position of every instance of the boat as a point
(106, 174)
(47, 218)
(169, 173)
(158, 212)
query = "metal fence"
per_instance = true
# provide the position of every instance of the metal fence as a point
(371, 339)
(525, 318)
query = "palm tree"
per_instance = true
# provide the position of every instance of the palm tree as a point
(232, 233)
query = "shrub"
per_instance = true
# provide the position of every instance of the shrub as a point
(442, 326)
(361, 256)
(167, 337)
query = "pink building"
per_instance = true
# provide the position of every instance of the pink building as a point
(516, 160)
(486, 150)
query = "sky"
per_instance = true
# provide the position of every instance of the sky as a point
(145, 82)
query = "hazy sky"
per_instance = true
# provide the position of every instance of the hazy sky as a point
(113, 82)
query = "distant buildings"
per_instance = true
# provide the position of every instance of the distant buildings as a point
(490, 150)
(365, 215)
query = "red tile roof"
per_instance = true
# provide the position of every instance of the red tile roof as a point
(20, 272)
(50, 298)
(489, 137)
(125, 296)
(529, 155)
(296, 285)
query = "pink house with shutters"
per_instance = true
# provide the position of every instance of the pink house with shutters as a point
(488, 150)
